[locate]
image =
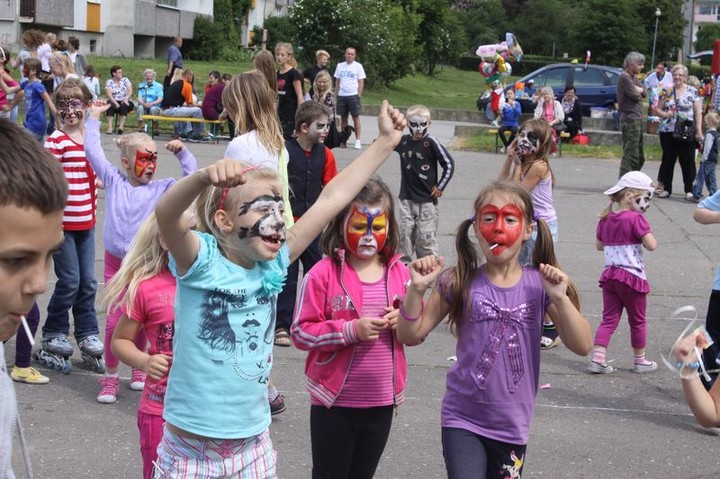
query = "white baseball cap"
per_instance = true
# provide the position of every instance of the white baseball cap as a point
(634, 179)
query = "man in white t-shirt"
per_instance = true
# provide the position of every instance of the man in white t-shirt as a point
(350, 82)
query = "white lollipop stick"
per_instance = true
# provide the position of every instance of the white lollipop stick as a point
(27, 330)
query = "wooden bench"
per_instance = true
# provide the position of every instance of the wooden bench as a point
(214, 124)
(494, 131)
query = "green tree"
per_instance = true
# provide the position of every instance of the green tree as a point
(608, 29)
(485, 22)
(541, 26)
(440, 34)
(706, 36)
(671, 25)
(382, 32)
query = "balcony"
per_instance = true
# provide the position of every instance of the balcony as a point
(58, 13)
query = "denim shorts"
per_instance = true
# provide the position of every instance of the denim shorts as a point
(348, 103)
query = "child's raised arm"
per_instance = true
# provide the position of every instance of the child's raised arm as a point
(573, 328)
(348, 183)
(181, 242)
(416, 319)
(188, 163)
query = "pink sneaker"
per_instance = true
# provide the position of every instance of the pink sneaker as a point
(108, 393)
(137, 380)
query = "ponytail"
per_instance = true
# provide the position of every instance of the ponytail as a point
(457, 280)
(544, 252)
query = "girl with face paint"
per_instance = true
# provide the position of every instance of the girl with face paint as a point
(347, 310)
(229, 274)
(528, 164)
(129, 199)
(496, 311)
(621, 234)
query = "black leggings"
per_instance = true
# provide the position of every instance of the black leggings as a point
(673, 150)
(347, 443)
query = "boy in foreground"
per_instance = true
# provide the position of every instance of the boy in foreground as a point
(33, 193)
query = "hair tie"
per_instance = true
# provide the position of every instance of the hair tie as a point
(536, 216)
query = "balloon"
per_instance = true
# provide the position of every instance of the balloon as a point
(487, 69)
(493, 78)
(508, 70)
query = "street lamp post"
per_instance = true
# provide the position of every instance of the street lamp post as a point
(657, 19)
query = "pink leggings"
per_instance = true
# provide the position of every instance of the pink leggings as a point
(151, 432)
(112, 265)
(616, 296)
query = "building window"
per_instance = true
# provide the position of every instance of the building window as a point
(169, 3)
(93, 46)
(707, 9)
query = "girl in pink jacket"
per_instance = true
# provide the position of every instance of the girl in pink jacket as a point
(346, 317)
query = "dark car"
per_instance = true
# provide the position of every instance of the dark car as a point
(595, 85)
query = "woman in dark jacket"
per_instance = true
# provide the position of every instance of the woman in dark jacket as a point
(573, 112)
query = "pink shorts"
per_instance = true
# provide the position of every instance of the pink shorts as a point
(151, 432)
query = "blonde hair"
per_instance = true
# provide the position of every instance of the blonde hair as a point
(145, 258)
(129, 143)
(289, 50)
(418, 110)
(694, 82)
(321, 53)
(64, 60)
(208, 202)
(317, 95)
(177, 75)
(712, 119)
(251, 105)
(619, 197)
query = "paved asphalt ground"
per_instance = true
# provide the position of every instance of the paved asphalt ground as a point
(620, 425)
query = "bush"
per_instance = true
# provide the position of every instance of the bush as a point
(280, 29)
(700, 71)
(207, 40)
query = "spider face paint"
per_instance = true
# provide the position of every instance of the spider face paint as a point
(365, 230)
(418, 127)
(145, 163)
(501, 226)
(642, 203)
(527, 142)
(72, 108)
(269, 226)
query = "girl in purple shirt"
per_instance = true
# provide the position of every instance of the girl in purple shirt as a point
(496, 310)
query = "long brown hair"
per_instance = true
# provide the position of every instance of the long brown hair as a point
(250, 103)
(457, 280)
(375, 191)
(543, 131)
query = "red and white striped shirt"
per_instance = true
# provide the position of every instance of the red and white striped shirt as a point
(79, 214)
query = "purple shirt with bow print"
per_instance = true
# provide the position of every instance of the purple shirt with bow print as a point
(491, 387)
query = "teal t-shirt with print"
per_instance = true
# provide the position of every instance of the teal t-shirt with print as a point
(222, 348)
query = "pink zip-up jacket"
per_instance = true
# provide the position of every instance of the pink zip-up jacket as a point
(326, 314)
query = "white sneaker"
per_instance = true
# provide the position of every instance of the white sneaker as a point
(358, 146)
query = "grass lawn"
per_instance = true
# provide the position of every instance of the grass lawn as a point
(449, 88)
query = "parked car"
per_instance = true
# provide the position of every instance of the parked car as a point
(595, 85)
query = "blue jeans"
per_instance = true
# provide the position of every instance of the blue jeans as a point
(527, 248)
(471, 456)
(187, 112)
(706, 176)
(75, 287)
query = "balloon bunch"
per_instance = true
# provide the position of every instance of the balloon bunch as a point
(497, 59)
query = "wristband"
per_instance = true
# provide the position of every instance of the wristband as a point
(693, 365)
(406, 317)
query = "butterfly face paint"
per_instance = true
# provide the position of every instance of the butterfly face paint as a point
(501, 226)
(365, 230)
(145, 163)
(418, 127)
(270, 225)
(527, 142)
(72, 108)
(642, 203)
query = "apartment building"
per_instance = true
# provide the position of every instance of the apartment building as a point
(129, 28)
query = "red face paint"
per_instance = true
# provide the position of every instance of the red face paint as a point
(501, 226)
(365, 231)
(144, 160)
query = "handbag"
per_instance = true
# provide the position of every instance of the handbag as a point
(684, 131)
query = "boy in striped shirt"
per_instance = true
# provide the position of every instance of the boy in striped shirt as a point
(75, 261)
